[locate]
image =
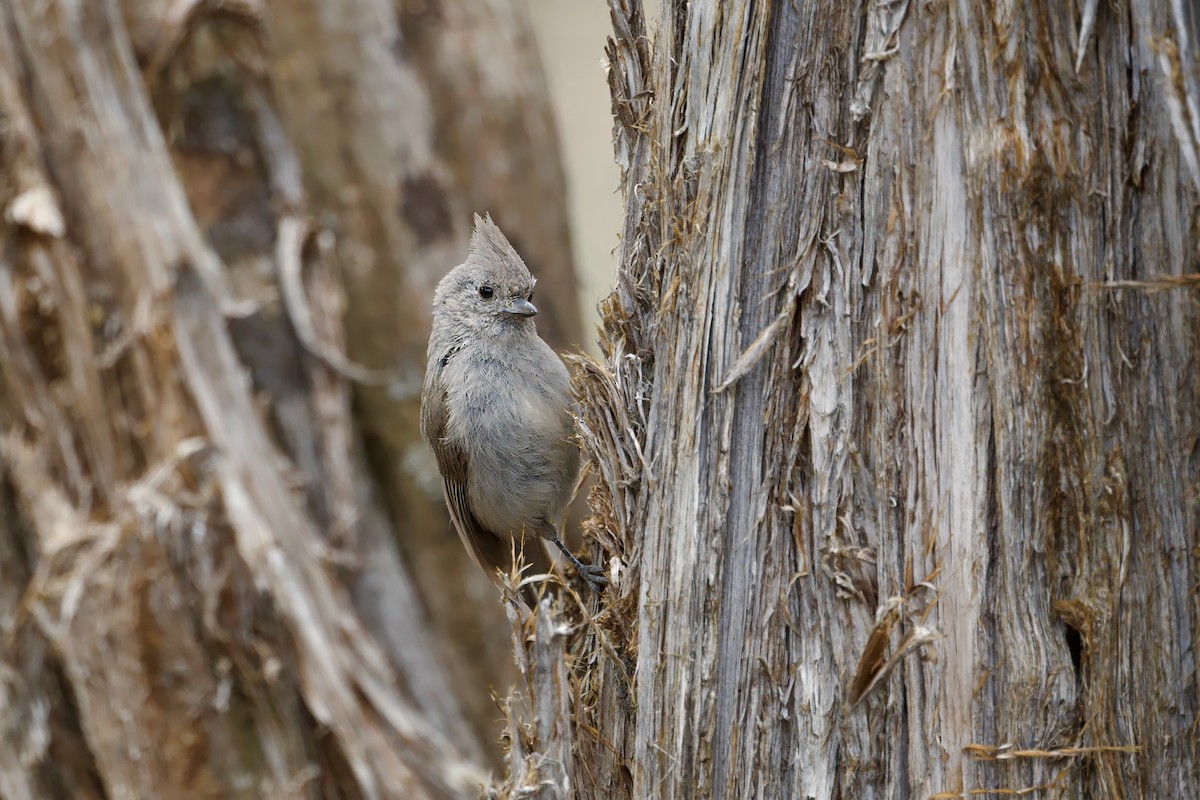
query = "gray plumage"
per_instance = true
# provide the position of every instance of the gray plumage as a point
(494, 408)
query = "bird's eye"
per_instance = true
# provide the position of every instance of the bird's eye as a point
(486, 292)
(530, 298)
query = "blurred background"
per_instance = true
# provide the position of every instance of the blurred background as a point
(223, 222)
(570, 38)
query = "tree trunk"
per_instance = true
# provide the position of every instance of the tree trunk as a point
(227, 569)
(897, 420)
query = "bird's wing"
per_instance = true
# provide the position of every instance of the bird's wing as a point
(490, 551)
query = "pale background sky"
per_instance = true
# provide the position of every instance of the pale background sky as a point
(571, 35)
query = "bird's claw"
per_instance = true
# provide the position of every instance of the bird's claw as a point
(593, 574)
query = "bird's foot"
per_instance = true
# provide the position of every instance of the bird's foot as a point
(592, 573)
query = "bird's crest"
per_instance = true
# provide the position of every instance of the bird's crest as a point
(490, 246)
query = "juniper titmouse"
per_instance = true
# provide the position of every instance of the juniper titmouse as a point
(494, 408)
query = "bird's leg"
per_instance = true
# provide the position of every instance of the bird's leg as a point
(592, 573)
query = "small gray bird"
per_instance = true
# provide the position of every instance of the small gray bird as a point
(494, 408)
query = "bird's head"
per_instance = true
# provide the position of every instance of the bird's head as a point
(492, 291)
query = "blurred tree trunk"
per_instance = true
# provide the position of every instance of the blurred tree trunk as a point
(897, 420)
(226, 566)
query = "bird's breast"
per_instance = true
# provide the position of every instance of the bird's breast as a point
(515, 425)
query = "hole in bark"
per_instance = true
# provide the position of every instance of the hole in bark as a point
(1075, 647)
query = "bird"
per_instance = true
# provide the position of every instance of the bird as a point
(495, 410)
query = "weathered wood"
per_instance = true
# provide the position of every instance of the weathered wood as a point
(899, 481)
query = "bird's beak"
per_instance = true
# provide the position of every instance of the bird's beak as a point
(520, 307)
